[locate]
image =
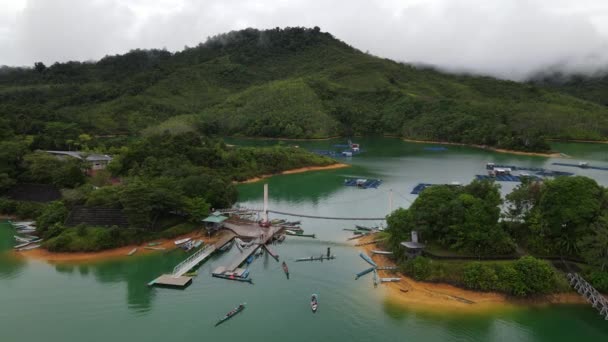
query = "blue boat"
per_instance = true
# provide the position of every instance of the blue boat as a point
(368, 259)
(364, 272)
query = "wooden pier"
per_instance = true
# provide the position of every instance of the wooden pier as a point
(176, 278)
(599, 302)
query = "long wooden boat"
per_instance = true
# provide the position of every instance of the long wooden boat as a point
(27, 248)
(364, 272)
(389, 280)
(314, 303)
(368, 259)
(382, 252)
(231, 277)
(22, 239)
(319, 258)
(375, 278)
(152, 244)
(156, 248)
(132, 251)
(226, 246)
(300, 235)
(358, 236)
(285, 269)
(231, 314)
(271, 253)
(364, 228)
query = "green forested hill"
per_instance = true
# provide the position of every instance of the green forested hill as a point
(591, 88)
(294, 83)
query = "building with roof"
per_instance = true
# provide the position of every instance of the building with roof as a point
(96, 161)
(214, 222)
(413, 248)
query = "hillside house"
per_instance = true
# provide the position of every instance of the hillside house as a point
(95, 161)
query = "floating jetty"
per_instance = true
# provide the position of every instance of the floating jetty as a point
(363, 183)
(238, 274)
(177, 278)
(583, 165)
(367, 259)
(364, 272)
(287, 232)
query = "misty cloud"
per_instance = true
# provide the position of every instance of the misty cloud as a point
(509, 39)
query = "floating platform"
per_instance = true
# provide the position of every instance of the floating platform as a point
(363, 183)
(419, 187)
(502, 178)
(582, 166)
(491, 166)
(171, 281)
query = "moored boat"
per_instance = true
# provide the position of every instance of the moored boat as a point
(364, 272)
(132, 251)
(227, 246)
(231, 314)
(152, 244)
(381, 252)
(314, 303)
(180, 241)
(368, 259)
(285, 269)
(27, 248)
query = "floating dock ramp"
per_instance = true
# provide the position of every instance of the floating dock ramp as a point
(176, 278)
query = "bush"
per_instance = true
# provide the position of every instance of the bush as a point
(480, 276)
(7, 206)
(53, 213)
(29, 209)
(537, 276)
(419, 268)
(598, 279)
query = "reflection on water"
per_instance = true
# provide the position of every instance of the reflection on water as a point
(110, 300)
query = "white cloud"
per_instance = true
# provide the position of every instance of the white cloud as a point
(505, 38)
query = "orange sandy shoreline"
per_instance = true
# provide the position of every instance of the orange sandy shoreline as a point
(445, 298)
(116, 253)
(299, 170)
(499, 150)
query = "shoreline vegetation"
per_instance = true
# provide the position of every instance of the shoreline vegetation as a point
(294, 171)
(443, 297)
(110, 254)
(489, 148)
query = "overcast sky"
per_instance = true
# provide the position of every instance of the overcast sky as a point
(508, 39)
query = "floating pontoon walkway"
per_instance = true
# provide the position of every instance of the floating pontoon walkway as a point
(582, 166)
(177, 278)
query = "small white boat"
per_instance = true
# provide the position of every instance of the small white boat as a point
(198, 243)
(23, 239)
(132, 251)
(27, 248)
(389, 280)
(382, 252)
(180, 241)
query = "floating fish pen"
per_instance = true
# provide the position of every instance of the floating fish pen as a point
(420, 187)
(551, 173)
(363, 183)
(503, 178)
(582, 165)
(492, 166)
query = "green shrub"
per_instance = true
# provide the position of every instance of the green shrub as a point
(419, 268)
(480, 276)
(598, 279)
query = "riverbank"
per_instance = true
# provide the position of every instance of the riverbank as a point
(445, 298)
(579, 141)
(298, 170)
(116, 253)
(488, 148)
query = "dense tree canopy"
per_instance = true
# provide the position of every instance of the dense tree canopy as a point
(293, 82)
